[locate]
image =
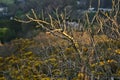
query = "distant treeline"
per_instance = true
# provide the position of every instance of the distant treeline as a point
(9, 29)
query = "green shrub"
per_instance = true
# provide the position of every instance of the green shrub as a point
(6, 34)
(13, 25)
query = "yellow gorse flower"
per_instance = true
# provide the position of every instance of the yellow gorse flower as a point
(80, 75)
(46, 78)
(28, 54)
(102, 63)
(117, 51)
(111, 61)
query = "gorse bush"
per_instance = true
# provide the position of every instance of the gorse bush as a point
(31, 60)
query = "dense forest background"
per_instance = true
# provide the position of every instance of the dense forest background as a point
(17, 8)
(21, 6)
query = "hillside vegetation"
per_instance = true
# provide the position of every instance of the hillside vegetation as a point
(7, 1)
(57, 48)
